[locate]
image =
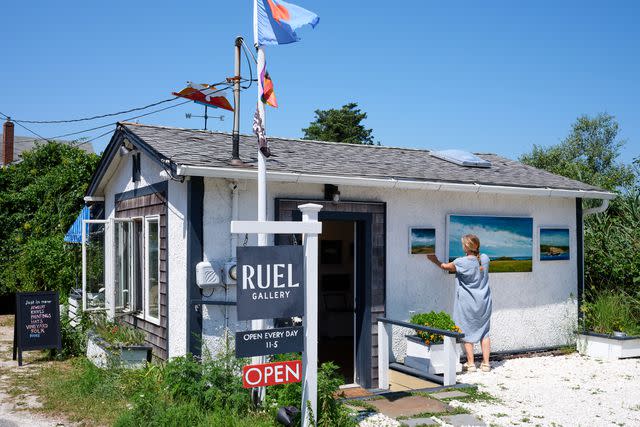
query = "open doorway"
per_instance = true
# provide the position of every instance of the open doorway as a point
(337, 297)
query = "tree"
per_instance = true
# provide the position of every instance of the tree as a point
(40, 198)
(343, 125)
(589, 154)
(611, 239)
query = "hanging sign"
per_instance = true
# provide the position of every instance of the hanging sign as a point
(37, 323)
(267, 374)
(270, 341)
(270, 282)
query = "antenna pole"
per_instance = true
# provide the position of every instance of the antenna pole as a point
(205, 117)
(235, 136)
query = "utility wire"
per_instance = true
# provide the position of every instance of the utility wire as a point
(124, 120)
(249, 50)
(101, 116)
(96, 117)
(246, 55)
(23, 126)
(112, 123)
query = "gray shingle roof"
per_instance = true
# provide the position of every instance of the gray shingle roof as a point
(26, 143)
(213, 149)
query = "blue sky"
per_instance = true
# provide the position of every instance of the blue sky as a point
(499, 236)
(493, 76)
(423, 237)
(554, 237)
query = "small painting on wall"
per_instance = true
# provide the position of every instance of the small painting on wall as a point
(422, 240)
(554, 244)
(507, 241)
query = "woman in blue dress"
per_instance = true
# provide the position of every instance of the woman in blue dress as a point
(472, 307)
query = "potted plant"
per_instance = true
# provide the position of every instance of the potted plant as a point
(425, 351)
(116, 344)
(610, 326)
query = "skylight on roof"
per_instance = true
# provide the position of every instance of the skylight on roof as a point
(462, 158)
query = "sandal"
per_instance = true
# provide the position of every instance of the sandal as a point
(485, 367)
(469, 367)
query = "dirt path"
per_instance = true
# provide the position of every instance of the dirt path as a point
(20, 409)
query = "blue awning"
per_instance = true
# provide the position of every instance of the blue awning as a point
(74, 235)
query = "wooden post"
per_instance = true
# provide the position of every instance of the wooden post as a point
(451, 360)
(310, 354)
(384, 331)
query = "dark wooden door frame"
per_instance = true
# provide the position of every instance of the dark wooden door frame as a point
(365, 368)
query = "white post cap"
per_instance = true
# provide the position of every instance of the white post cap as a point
(310, 207)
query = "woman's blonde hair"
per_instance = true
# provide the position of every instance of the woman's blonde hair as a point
(471, 244)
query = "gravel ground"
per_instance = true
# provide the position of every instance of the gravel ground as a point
(569, 390)
(20, 410)
(378, 420)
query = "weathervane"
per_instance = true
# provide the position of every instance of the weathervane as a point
(206, 117)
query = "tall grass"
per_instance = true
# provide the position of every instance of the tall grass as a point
(611, 311)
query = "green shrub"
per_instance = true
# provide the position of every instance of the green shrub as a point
(116, 331)
(73, 338)
(440, 320)
(611, 311)
(40, 197)
(186, 391)
(612, 247)
(331, 411)
(211, 383)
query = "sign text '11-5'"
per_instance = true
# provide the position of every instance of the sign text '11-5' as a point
(270, 341)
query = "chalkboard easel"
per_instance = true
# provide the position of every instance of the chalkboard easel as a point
(37, 322)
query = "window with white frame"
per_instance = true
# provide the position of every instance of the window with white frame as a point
(94, 234)
(152, 270)
(136, 249)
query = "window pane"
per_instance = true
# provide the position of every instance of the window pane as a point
(137, 287)
(153, 273)
(123, 264)
(94, 266)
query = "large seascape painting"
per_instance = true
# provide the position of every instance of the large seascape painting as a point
(554, 244)
(508, 241)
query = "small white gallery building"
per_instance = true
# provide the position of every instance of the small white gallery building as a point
(163, 199)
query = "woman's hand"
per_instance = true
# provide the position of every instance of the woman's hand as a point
(447, 267)
(434, 259)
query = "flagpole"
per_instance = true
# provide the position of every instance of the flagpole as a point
(262, 183)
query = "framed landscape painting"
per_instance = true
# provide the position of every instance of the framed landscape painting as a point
(422, 240)
(554, 244)
(508, 241)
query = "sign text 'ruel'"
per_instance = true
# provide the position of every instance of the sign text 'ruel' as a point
(270, 282)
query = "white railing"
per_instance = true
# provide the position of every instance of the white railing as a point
(384, 335)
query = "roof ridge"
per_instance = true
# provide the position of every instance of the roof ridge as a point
(284, 138)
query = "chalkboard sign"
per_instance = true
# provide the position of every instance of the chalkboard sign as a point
(37, 324)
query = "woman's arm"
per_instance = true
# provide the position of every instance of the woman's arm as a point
(449, 266)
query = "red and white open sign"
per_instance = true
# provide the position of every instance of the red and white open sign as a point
(272, 374)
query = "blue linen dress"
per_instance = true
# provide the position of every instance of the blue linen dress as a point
(472, 307)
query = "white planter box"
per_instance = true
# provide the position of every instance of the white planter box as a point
(105, 355)
(427, 358)
(607, 346)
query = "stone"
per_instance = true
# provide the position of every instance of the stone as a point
(448, 394)
(416, 422)
(408, 406)
(466, 420)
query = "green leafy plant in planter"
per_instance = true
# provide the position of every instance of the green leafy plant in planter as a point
(612, 311)
(432, 319)
(117, 332)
